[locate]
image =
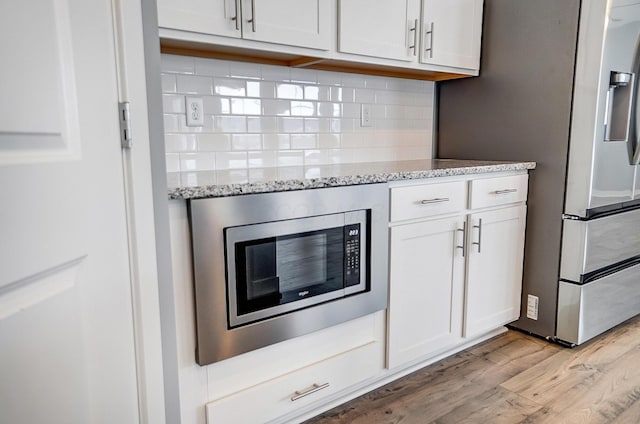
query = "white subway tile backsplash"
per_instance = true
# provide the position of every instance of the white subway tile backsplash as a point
(204, 161)
(263, 121)
(169, 83)
(177, 64)
(173, 162)
(193, 84)
(291, 125)
(275, 73)
(276, 107)
(244, 70)
(304, 141)
(262, 159)
(246, 142)
(290, 158)
(302, 108)
(262, 89)
(246, 106)
(212, 142)
(289, 91)
(180, 143)
(229, 87)
(233, 176)
(328, 141)
(231, 160)
(231, 124)
(173, 103)
(211, 67)
(276, 141)
(262, 124)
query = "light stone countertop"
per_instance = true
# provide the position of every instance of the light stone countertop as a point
(323, 176)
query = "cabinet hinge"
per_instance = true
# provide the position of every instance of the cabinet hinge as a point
(125, 125)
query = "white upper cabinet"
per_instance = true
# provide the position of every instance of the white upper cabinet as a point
(451, 33)
(445, 33)
(301, 23)
(386, 29)
(218, 17)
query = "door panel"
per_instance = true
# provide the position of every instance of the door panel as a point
(303, 23)
(65, 307)
(219, 17)
(378, 28)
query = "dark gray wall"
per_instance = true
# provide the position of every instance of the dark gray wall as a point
(519, 109)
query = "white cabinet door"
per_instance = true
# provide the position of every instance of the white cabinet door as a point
(218, 17)
(451, 33)
(302, 23)
(494, 269)
(426, 289)
(379, 28)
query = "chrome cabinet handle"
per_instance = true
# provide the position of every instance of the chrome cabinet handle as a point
(236, 18)
(479, 227)
(432, 201)
(505, 191)
(464, 237)
(429, 50)
(306, 392)
(252, 21)
(415, 37)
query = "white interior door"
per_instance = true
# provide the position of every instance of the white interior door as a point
(66, 331)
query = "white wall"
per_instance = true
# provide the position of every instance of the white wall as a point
(260, 120)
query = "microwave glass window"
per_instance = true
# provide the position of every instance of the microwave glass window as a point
(284, 269)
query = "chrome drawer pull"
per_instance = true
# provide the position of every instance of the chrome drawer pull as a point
(464, 237)
(312, 389)
(434, 200)
(479, 227)
(506, 191)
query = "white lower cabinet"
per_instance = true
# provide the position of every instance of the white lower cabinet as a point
(494, 269)
(427, 288)
(299, 389)
(455, 275)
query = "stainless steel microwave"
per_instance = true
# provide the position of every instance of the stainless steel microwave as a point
(278, 267)
(273, 266)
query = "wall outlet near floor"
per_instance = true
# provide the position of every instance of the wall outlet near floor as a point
(195, 117)
(532, 307)
(365, 115)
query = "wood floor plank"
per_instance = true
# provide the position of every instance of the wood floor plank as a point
(513, 379)
(570, 373)
(495, 406)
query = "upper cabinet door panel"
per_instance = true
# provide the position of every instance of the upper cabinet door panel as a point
(302, 23)
(218, 17)
(379, 28)
(451, 33)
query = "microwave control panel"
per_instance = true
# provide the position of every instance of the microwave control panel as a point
(352, 255)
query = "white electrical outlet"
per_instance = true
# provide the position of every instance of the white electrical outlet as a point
(195, 117)
(365, 115)
(532, 307)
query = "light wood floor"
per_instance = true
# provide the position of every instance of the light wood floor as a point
(513, 378)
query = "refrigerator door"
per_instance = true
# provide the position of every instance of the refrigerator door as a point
(594, 247)
(601, 173)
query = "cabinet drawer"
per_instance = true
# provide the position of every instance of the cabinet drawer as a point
(272, 399)
(487, 192)
(427, 200)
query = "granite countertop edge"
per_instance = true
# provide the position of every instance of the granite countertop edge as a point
(376, 172)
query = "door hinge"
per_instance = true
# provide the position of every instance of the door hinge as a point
(125, 125)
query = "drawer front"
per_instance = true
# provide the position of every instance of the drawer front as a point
(283, 395)
(488, 192)
(427, 200)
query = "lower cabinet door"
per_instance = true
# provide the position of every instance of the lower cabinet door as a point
(494, 269)
(268, 401)
(426, 289)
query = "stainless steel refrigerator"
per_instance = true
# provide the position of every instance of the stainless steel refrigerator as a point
(559, 85)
